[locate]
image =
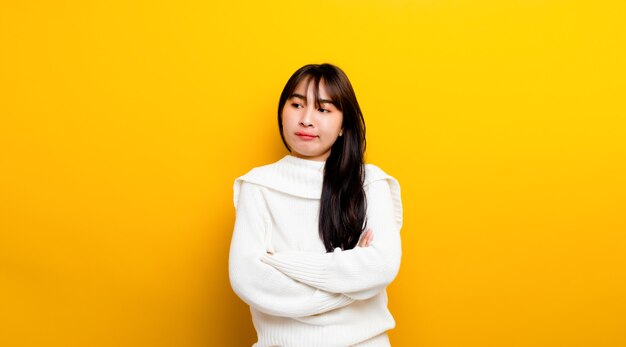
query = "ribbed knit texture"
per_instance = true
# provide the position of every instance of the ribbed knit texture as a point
(300, 295)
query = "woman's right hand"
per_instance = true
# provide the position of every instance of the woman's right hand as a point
(366, 238)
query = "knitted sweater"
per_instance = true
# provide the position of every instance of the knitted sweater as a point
(302, 295)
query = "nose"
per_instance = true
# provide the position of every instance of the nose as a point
(306, 118)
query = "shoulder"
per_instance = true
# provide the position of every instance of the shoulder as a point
(251, 179)
(256, 172)
(380, 181)
(374, 173)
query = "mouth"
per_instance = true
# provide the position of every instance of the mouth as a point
(305, 136)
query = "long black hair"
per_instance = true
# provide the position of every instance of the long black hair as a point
(342, 204)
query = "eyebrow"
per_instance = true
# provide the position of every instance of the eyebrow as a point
(322, 101)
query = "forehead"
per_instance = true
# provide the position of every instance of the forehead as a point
(307, 87)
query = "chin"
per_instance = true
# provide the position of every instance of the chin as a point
(307, 155)
(304, 153)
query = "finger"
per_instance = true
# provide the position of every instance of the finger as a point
(363, 240)
(366, 239)
(370, 237)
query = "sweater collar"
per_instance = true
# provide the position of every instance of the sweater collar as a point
(291, 175)
(305, 164)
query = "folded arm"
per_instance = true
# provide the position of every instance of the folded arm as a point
(361, 272)
(261, 285)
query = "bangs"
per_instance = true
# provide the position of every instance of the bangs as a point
(330, 84)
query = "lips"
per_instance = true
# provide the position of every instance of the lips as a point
(305, 135)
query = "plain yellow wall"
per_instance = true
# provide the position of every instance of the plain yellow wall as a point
(124, 123)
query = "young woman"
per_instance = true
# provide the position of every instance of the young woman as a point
(317, 233)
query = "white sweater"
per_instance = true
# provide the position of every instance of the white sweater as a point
(302, 295)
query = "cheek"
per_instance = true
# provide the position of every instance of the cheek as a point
(287, 117)
(339, 123)
(332, 128)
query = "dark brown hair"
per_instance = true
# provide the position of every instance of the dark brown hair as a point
(342, 204)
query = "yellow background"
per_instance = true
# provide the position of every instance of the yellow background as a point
(123, 125)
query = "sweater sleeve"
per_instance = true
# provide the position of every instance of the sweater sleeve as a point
(258, 284)
(361, 272)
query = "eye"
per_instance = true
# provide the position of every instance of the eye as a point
(296, 105)
(323, 110)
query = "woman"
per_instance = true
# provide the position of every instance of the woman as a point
(317, 233)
